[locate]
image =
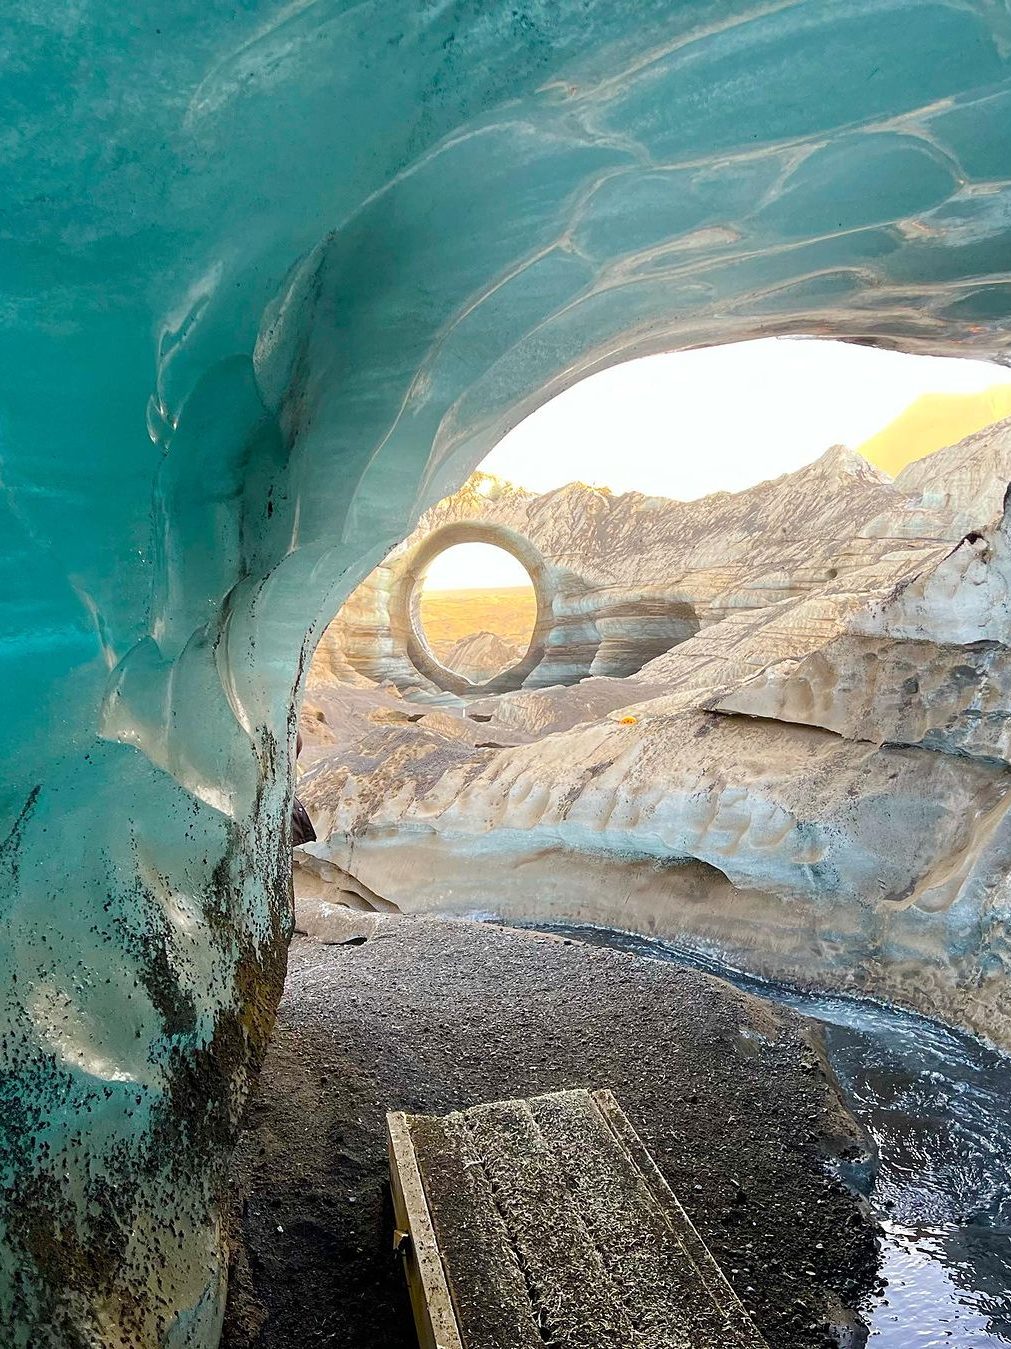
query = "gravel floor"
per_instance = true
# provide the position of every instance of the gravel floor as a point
(430, 1015)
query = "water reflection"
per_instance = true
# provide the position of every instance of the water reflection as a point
(938, 1106)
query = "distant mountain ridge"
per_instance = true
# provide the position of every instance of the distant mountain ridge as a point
(453, 618)
(482, 655)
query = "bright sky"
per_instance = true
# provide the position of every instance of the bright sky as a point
(475, 565)
(689, 423)
(724, 418)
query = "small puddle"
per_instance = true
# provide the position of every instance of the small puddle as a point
(938, 1106)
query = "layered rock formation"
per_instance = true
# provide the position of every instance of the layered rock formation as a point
(622, 579)
(481, 656)
(967, 481)
(817, 783)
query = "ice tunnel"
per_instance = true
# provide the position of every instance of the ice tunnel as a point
(274, 278)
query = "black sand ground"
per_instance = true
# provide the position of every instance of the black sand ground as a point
(429, 1015)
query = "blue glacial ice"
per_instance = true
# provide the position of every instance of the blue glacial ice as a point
(274, 277)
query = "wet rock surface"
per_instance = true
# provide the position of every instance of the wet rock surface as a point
(430, 1015)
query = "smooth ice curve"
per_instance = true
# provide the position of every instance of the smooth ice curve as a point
(273, 279)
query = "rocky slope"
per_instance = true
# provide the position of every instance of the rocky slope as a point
(932, 422)
(481, 655)
(968, 480)
(819, 786)
(622, 579)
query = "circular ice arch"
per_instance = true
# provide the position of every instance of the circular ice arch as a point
(405, 605)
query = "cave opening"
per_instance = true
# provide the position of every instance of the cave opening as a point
(476, 610)
(275, 352)
(735, 614)
(589, 519)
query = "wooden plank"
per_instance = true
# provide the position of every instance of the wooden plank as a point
(546, 1222)
(426, 1278)
(716, 1282)
(490, 1294)
(573, 1301)
(651, 1272)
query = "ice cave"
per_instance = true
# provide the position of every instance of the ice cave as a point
(275, 277)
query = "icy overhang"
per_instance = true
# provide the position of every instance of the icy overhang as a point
(273, 278)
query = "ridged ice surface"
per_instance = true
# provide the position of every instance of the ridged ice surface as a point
(272, 279)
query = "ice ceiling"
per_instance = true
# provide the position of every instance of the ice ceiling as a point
(273, 278)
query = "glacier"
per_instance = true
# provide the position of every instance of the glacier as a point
(274, 278)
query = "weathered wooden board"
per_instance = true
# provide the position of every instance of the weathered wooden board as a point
(546, 1221)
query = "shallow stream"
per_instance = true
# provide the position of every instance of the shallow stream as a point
(937, 1104)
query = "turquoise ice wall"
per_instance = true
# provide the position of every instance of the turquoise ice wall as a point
(273, 277)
